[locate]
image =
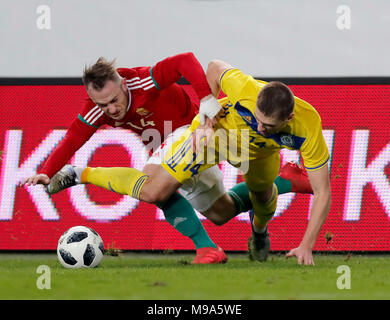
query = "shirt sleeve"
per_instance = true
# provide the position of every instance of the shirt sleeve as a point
(314, 150)
(171, 69)
(77, 135)
(92, 115)
(237, 85)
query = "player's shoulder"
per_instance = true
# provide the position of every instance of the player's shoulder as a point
(235, 74)
(133, 73)
(239, 85)
(306, 110)
(137, 78)
(306, 117)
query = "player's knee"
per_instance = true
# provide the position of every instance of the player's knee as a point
(263, 196)
(154, 197)
(219, 221)
(152, 194)
(215, 217)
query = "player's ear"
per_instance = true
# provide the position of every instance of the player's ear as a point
(290, 116)
(123, 84)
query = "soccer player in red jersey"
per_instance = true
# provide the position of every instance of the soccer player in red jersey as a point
(139, 99)
(145, 98)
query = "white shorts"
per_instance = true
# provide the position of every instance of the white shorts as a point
(203, 189)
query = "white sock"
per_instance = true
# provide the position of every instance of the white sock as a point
(78, 171)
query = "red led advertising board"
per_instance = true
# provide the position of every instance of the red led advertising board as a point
(34, 119)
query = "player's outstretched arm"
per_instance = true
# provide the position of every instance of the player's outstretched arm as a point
(320, 183)
(77, 134)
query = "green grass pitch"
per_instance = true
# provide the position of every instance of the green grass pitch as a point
(172, 276)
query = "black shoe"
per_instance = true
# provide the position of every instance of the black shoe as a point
(258, 243)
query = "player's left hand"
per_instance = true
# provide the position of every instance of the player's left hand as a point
(304, 255)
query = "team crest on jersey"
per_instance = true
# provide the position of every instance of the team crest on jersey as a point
(142, 111)
(248, 119)
(287, 140)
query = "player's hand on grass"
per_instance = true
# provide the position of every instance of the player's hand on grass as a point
(36, 179)
(304, 255)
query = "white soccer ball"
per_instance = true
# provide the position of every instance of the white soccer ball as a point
(80, 247)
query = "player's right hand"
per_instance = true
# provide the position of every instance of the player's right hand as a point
(209, 108)
(203, 134)
(304, 255)
(36, 179)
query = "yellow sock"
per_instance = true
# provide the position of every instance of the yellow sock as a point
(120, 180)
(264, 211)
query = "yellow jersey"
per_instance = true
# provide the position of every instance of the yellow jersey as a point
(303, 132)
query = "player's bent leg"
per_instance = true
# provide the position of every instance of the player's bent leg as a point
(292, 178)
(259, 244)
(121, 180)
(180, 214)
(156, 188)
(221, 211)
(127, 181)
(178, 209)
(206, 193)
(264, 207)
(159, 185)
(201, 191)
(205, 254)
(229, 205)
(181, 163)
(263, 194)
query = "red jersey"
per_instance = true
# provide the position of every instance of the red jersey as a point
(150, 104)
(154, 98)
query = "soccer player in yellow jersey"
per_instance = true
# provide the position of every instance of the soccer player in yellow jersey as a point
(275, 119)
(256, 120)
